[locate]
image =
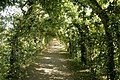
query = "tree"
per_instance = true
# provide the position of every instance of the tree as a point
(89, 30)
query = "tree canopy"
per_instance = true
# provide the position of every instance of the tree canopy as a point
(89, 29)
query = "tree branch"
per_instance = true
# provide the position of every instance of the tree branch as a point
(99, 11)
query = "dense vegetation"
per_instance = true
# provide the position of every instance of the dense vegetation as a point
(89, 28)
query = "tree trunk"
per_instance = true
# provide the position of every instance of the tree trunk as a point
(13, 70)
(82, 44)
(83, 54)
(110, 56)
(109, 39)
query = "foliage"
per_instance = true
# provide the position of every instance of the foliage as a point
(89, 29)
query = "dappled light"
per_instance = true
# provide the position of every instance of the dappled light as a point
(59, 39)
(54, 46)
(52, 66)
(55, 65)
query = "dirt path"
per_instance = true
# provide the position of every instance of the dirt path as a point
(53, 66)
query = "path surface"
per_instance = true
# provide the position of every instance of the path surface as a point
(54, 65)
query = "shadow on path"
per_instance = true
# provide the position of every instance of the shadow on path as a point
(53, 66)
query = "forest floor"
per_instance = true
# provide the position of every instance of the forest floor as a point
(54, 65)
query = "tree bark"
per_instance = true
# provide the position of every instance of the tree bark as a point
(82, 44)
(109, 39)
(13, 70)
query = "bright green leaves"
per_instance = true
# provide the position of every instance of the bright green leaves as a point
(73, 21)
(103, 3)
(70, 9)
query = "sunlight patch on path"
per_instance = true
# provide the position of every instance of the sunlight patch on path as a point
(44, 65)
(52, 66)
(53, 71)
(46, 57)
(63, 60)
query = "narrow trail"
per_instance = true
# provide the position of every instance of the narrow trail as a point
(54, 65)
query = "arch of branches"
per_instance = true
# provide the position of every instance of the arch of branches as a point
(90, 31)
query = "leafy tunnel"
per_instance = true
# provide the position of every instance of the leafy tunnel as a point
(68, 39)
